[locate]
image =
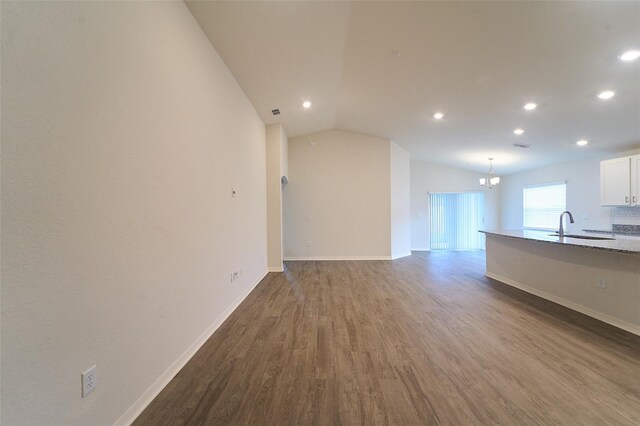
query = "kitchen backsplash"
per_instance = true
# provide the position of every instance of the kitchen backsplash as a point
(625, 215)
(624, 211)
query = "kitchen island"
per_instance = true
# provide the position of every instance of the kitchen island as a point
(599, 278)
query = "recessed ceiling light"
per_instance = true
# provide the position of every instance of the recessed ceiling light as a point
(607, 94)
(438, 116)
(582, 142)
(306, 104)
(530, 106)
(518, 131)
(630, 55)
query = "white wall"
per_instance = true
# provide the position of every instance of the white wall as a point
(122, 135)
(400, 202)
(276, 169)
(337, 202)
(583, 195)
(426, 178)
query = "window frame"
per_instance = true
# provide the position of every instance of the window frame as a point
(538, 185)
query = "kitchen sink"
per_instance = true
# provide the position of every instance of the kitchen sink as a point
(584, 237)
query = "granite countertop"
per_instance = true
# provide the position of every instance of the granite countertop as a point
(618, 229)
(619, 245)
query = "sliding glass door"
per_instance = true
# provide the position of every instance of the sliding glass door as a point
(456, 218)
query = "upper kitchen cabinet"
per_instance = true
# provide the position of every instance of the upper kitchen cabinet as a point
(620, 181)
(635, 180)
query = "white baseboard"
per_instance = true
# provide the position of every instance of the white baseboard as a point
(296, 258)
(401, 255)
(145, 399)
(631, 328)
(421, 249)
(276, 269)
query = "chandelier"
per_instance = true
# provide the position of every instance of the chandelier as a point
(491, 180)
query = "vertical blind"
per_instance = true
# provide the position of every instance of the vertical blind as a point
(455, 221)
(543, 204)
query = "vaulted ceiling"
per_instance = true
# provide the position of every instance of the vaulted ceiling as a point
(385, 68)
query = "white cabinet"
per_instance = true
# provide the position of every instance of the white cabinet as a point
(635, 180)
(620, 181)
(615, 182)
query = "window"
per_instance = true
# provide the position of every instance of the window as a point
(543, 204)
(455, 221)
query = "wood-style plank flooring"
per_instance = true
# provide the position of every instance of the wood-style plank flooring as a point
(425, 339)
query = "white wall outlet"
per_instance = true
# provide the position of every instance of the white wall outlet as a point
(309, 244)
(602, 283)
(235, 275)
(233, 192)
(89, 381)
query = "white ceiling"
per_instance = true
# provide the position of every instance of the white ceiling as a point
(478, 62)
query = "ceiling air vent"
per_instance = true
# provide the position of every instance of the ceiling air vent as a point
(275, 111)
(522, 145)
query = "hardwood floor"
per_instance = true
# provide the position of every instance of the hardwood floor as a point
(425, 339)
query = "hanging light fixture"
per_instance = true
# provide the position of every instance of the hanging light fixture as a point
(490, 180)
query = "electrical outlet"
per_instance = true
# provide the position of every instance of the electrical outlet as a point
(602, 283)
(309, 244)
(89, 381)
(235, 275)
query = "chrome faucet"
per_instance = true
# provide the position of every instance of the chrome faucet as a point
(561, 231)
